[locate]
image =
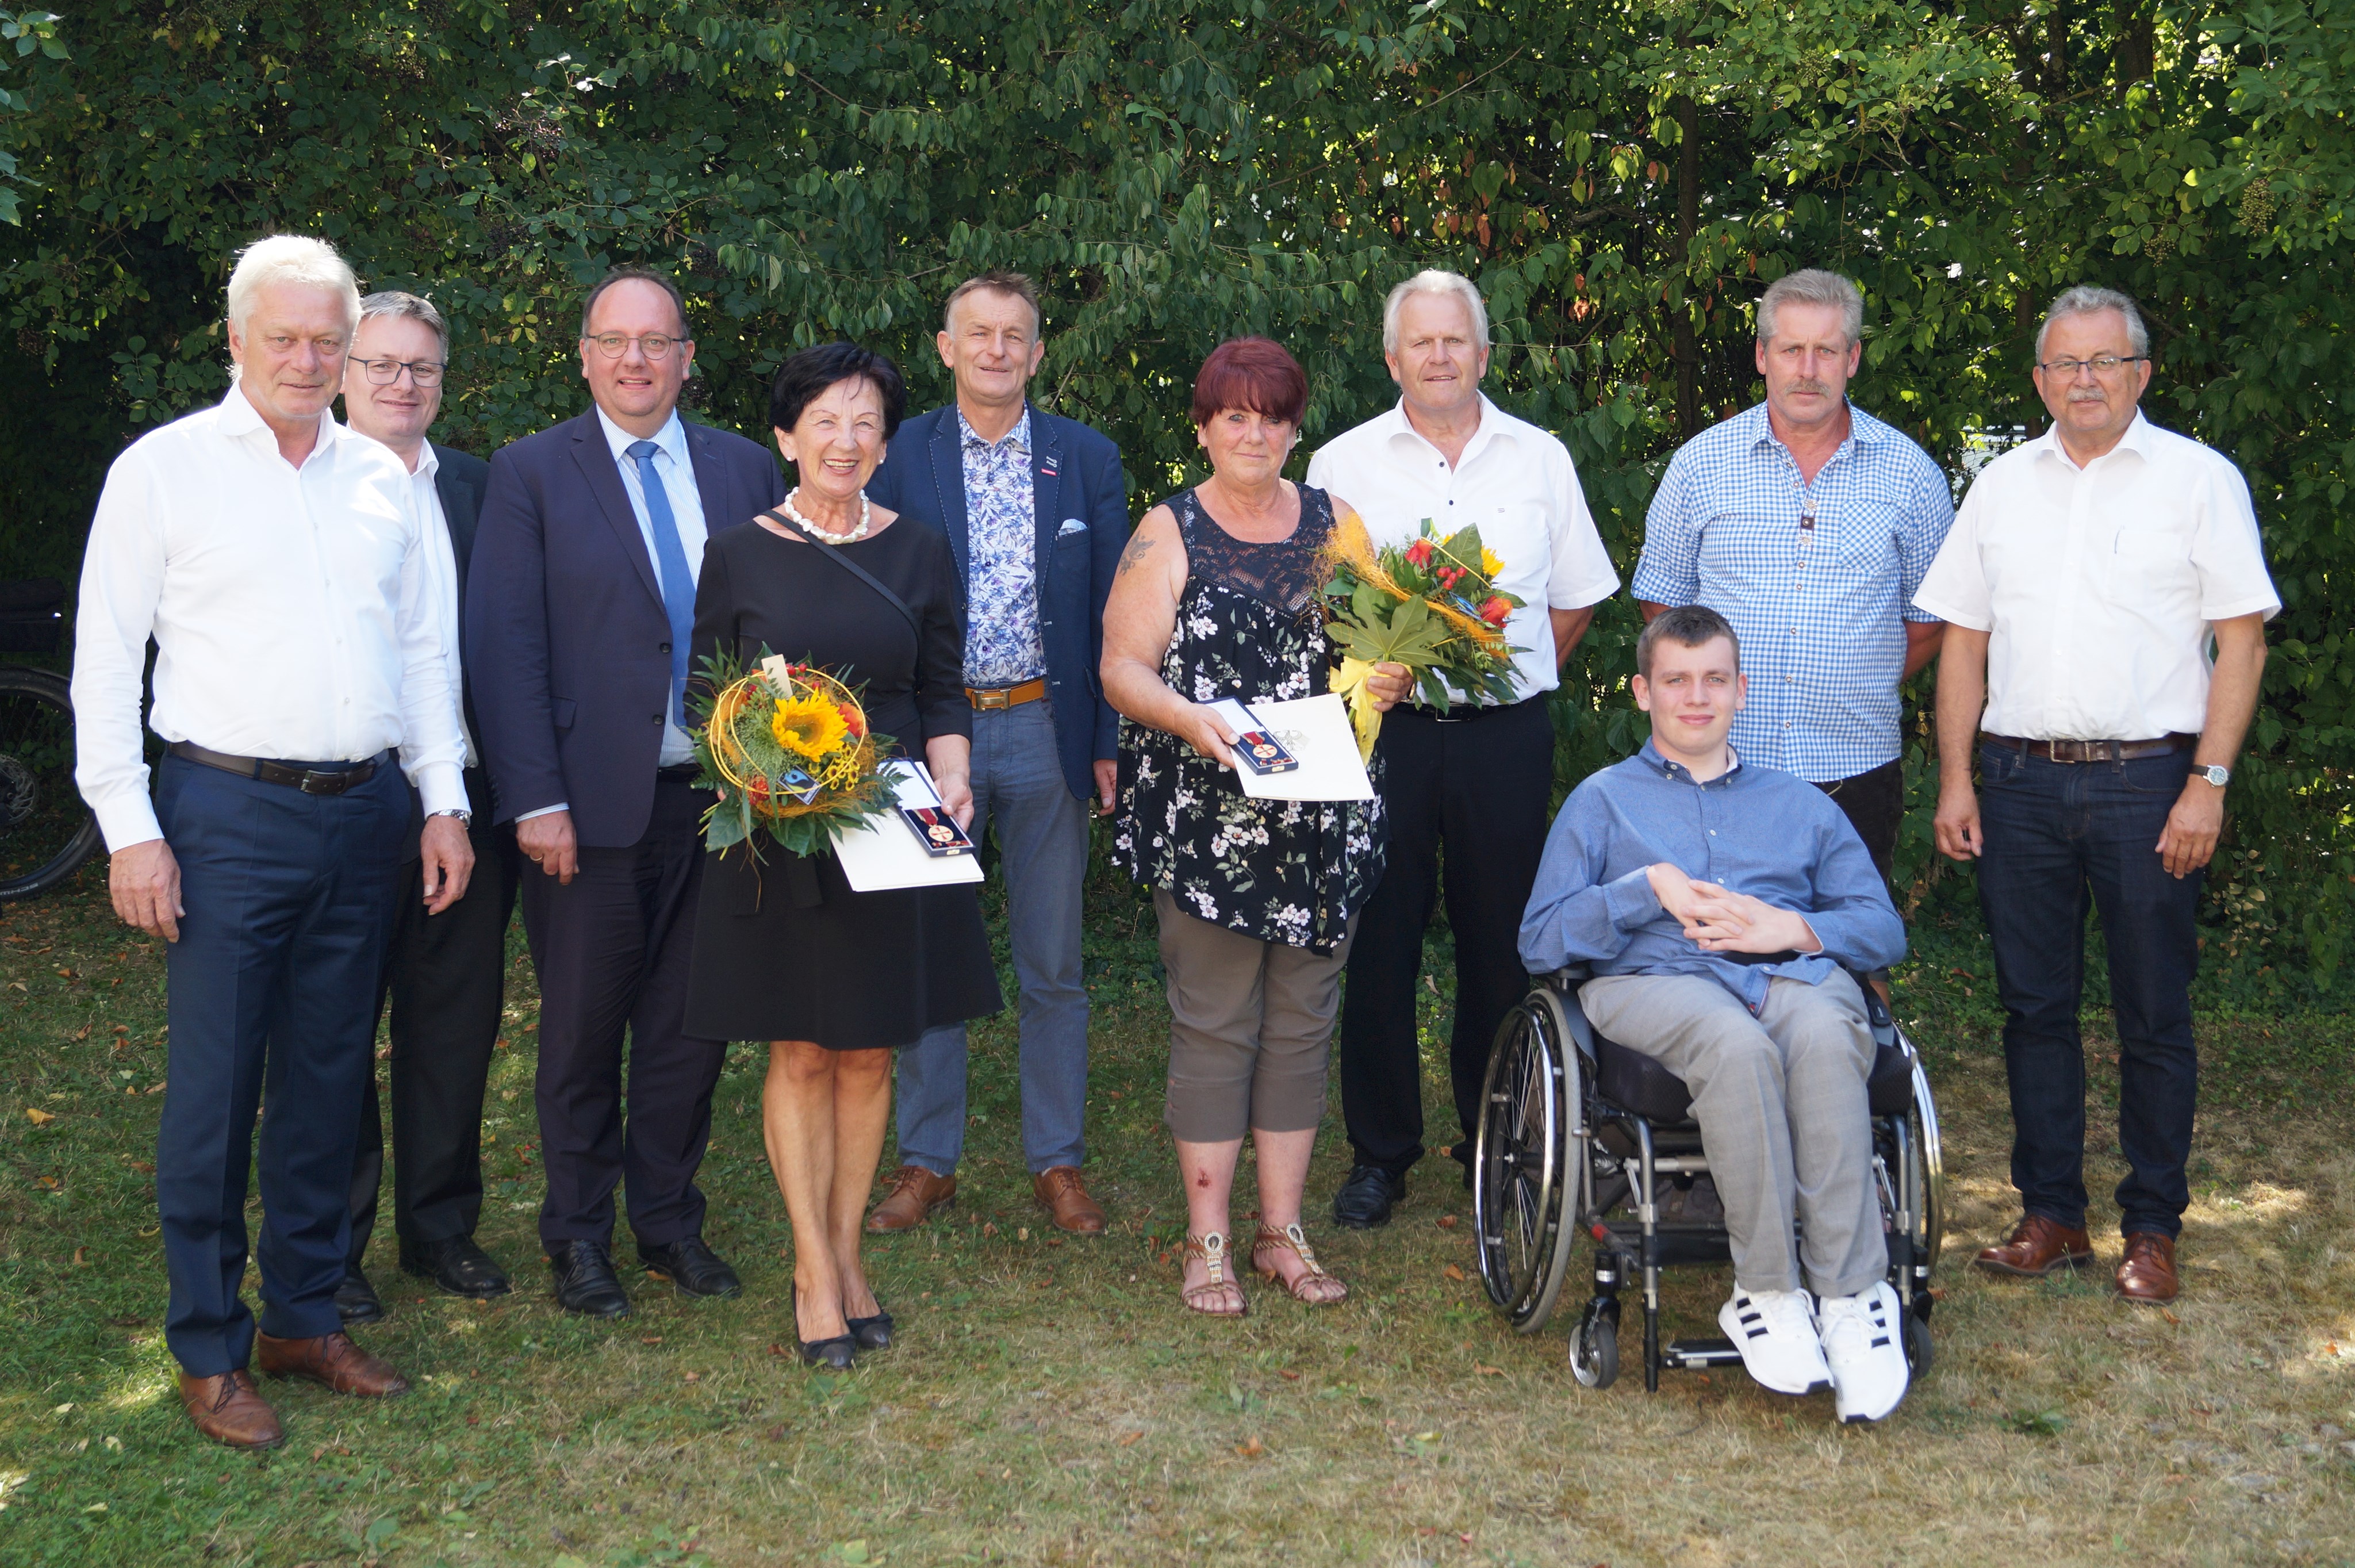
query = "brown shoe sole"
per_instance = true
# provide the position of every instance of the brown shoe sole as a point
(263, 1446)
(935, 1207)
(2065, 1260)
(1094, 1227)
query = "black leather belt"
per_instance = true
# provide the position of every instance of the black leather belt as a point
(679, 773)
(1463, 712)
(331, 779)
(2090, 751)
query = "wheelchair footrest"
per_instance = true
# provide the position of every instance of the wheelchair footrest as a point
(1691, 1355)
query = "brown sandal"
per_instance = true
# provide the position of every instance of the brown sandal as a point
(1209, 1298)
(1294, 1240)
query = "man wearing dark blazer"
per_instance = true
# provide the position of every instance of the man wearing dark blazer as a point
(1036, 508)
(578, 612)
(444, 973)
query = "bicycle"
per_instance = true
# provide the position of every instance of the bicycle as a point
(46, 831)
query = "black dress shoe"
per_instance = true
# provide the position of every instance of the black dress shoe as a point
(695, 1268)
(871, 1333)
(355, 1298)
(457, 1265)
(1366, 1199)
(585, 1280)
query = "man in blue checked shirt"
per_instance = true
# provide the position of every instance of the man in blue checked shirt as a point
(1808, 524)
(1719, 905)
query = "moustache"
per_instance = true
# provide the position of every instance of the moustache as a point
(1817, 387)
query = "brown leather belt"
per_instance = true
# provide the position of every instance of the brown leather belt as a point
(310, 781)
(2090, 751)
(1007, 696)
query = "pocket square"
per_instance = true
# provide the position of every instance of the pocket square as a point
(1071, 525)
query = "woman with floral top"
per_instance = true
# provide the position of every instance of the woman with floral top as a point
(1216, 597)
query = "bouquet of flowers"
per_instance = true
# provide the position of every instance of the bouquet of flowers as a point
(1432, 604)
(788, 748)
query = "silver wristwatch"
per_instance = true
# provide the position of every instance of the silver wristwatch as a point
(2219, 776)
(467, 818)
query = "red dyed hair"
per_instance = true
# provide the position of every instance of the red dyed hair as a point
(1252, 373)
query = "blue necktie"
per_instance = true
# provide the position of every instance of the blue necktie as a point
(678, 583)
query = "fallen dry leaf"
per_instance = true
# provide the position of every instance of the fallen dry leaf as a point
(1447, 1222)
(1487, 1372)
(1288, 1375)
(656, 1339)
(989, 1228)
(2171, 1317)
(1130, 1441)
(81, 1257)
(1452, 1271)
(1251, 1450)
(40, 1118)
(695, 1377)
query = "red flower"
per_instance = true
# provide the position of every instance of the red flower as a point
(1418, 553)
(850, 717)
(1496, 610)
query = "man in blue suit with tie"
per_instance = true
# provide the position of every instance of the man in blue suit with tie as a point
(578, 605)
(1036, 508)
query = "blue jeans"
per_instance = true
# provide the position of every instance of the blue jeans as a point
(2053, 832)
(1043, 842)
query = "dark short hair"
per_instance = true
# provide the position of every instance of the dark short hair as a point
(804, 378)
(1014, 284)
(1252, 373)
(645, 275)
(1687, 625)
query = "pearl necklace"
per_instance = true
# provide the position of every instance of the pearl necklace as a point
(866, 516)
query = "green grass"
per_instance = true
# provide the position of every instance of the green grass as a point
(1050, 1403)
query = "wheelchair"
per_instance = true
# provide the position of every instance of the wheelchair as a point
(1581, 1137)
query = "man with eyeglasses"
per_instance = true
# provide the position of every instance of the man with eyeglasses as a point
(579, 609)
(444, 973)
(2085, 577)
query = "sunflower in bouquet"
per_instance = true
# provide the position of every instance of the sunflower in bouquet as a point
(788, 748)
(1432, 604)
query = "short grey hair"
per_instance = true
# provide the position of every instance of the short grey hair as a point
(1813, 286)
(1454, 285)
(412, 307)
(2087, 299)
(290, 259)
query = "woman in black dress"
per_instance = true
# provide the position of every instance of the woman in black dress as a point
(785, 950)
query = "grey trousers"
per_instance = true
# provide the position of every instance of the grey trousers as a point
(1042, 843)
(1251, 1028)
(1781, 1102)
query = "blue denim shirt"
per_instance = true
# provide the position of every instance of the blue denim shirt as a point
(1751, 830)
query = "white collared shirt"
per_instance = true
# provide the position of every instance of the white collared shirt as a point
(441, 573)
(2097, 584)
(1516, 482)
(291, 608)
(678, 471)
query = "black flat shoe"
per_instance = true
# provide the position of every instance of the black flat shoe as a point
(357, 1300)
(585, 1280)
(457, 1265)
(872, 1333)
(837, 1352)
(695, 1268)
(1366, 1199)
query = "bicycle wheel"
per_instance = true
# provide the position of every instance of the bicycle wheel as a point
(46, 831)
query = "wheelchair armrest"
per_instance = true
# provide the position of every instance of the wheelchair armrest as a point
(1876, 1011)
(1568, 977)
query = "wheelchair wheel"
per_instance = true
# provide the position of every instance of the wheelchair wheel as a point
(1924, 1116)
(1919, 1352)
(1527, 1166)
(1594, 1349)
(46, 831)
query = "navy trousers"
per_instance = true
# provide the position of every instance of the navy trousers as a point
(272, 1003)
(2056, 832)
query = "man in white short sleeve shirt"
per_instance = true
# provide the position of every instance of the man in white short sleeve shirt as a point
(1479, 776)
(2086, 575)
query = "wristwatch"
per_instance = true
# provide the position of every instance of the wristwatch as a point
(467, 818)
(2219, 776)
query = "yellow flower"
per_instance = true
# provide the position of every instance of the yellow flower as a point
(810, 725)
(1490, 565)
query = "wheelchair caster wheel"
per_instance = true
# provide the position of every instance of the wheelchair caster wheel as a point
(1918, 1351)
(1594, 1349)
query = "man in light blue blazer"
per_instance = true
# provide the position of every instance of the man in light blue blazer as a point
(1036, 508)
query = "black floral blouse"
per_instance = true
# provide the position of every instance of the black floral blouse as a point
(1248, 626)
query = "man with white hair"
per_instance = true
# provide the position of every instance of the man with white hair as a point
(1808, 524)
(276, 560)
(1478, 776)
(2087, 574)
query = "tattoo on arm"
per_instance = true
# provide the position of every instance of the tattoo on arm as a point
(1139, 546)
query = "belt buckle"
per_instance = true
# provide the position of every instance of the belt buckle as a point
(990, 700)
(1454, 713)
(313, 782)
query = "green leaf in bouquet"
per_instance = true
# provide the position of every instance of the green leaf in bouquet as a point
(1370, 605)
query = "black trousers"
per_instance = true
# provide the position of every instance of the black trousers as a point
(1480, 786)
(612, 948)
(445, 981)
(1874, 802)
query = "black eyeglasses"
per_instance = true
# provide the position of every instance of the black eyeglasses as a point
(384, 372)
(2099, 365)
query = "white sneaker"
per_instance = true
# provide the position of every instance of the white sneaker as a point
(1864, 1344)
(1776, 1333)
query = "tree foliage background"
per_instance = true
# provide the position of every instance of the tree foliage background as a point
(1623, 178)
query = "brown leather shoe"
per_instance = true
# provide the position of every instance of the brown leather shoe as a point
(2038, 1246)
(2148, 1271)
(1060, 1190)
(227, 1409)
(331, 1359)
(916, 1193)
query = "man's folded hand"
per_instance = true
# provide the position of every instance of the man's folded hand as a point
(1722, 922)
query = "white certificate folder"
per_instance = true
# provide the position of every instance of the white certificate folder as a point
(1315, 730)
(881, 854)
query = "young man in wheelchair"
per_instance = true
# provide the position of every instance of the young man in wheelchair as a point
(1719, 907)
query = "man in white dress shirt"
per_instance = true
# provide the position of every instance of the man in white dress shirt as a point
(276, 560)
(1479, 777)
(2086, 576)
(445, 975)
